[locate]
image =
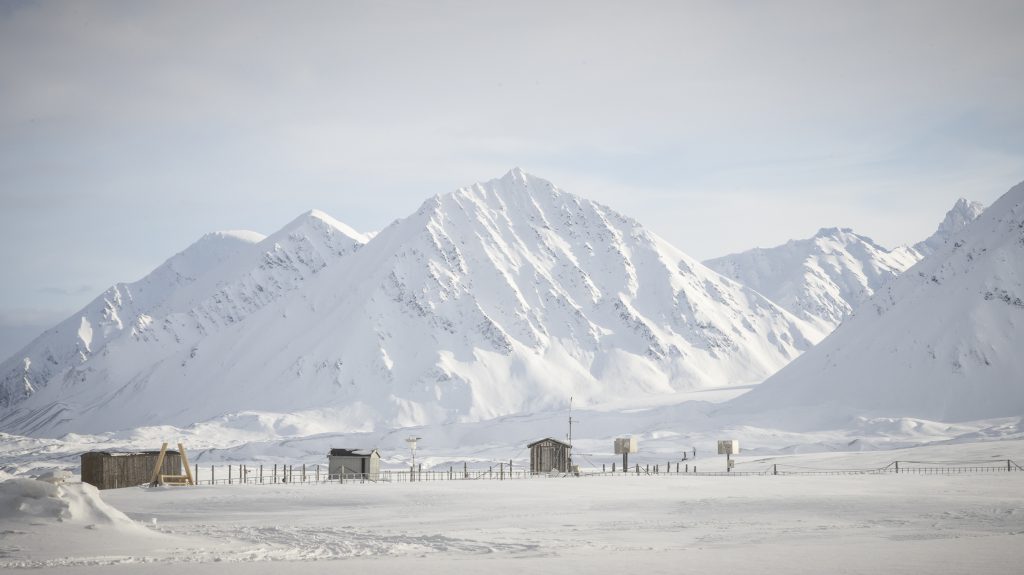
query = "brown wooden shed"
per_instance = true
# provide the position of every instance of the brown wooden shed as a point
(108, 470)
(549, 455)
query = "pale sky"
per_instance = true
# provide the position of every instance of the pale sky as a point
(129, 129)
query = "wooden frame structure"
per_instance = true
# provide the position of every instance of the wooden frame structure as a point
(162, 479)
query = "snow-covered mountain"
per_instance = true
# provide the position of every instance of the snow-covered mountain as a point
(824, 279)
(941, 342)
(963, 212)
(500, 298)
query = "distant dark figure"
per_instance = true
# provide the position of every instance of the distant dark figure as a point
(684, 456)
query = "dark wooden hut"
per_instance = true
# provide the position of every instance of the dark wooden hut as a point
(549, 455)
(108, 470)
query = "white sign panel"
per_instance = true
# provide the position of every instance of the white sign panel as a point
(728, 446)
(625, 445)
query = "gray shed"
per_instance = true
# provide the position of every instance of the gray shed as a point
(108, 470)
(364, 462)
(549, 455)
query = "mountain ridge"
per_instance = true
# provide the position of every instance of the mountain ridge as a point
(501, 297)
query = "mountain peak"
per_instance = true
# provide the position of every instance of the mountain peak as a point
(957, 218)
(320, 220)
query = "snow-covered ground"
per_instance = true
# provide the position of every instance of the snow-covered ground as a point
(787, 524)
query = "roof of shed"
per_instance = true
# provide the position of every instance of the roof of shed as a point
(342, 452)
(548, 439)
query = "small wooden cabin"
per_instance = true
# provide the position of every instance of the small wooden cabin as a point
(549, 455)
(108, 470)
(350, 462)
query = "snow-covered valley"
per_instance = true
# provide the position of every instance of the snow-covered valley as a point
(470, 325)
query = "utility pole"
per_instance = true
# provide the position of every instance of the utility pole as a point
(571, 421)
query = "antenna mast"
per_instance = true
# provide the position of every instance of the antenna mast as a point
(571, 421)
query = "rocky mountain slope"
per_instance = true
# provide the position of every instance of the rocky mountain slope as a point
(504, 297)
(941, 342)
(824, 279)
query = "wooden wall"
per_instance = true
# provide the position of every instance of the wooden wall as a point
(116, 470)
(547, 456)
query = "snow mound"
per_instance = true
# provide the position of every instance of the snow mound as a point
(30, 501)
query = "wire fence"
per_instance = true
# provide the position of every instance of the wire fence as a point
(279, 474)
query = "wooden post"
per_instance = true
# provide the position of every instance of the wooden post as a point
(229, 474)
(155, 480)
(638, 469)
(213, 478)
(510, 469)
(775, 469)
(412, 473)
(303, 472)
(687, 468)
(451, 470)
(613, 467)
(465, 470)
(1008, 465)
(261, 474)
(419, 472)
(275, 474)
(897, 466)
(602, 468)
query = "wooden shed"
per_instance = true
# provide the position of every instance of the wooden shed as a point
(549, 455)
(351, 462)
(108, 470)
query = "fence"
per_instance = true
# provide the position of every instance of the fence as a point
(303, 474)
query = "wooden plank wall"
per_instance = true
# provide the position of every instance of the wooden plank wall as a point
(107, 471)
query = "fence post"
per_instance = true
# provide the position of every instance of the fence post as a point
(613, 467)
(775, 469)
(465, 470)
(638, 469)
(213, 480)
(510, 469)
(677, 467)
(602, 468)
(687, 468)
(897, 466)
(261, 474)
(1007, 464)
(275, 473)
(501, 471)
(229, 474)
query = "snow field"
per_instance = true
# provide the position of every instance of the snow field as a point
(897, 524)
